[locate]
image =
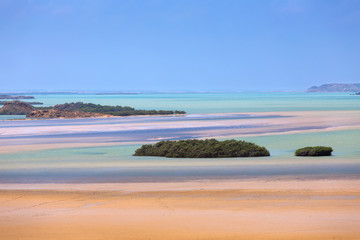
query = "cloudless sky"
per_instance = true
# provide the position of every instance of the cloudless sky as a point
(178, 45)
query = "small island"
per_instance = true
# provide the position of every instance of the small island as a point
(111, 110)
(76, 110)
(208, 148)
(32, 103)
(314, 151)
(15, 97)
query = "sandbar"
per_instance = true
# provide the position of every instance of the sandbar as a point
(52, 134)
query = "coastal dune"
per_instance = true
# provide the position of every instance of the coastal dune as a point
(248, 209)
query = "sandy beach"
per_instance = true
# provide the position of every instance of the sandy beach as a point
(247, 209)
(95, 193)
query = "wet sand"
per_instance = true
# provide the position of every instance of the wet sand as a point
(18, 136)
(311, 207)
(246, 209)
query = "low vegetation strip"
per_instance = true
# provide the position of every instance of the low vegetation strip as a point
(111, 110)
(208, 148)
(75, 110)
(314, 151)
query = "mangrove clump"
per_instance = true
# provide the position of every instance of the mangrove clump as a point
(314, 151)
(208, 148)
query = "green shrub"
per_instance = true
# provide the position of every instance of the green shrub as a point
(314, 151)
(208, 148)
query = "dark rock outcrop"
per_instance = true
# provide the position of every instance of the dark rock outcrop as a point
(336, 87)
(54, 113)
(16, 108)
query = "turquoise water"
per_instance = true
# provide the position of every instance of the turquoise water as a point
(216, 102)
(346, 144)
(116, 163)
(282, 147)
(9, 117)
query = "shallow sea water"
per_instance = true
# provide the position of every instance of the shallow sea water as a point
(116, 163)
(215, 102)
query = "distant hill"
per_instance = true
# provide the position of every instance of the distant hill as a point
(336, 87)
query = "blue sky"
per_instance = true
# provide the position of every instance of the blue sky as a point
(178, 45)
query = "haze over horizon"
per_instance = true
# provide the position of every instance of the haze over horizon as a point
(157, 45)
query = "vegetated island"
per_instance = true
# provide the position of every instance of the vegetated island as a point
(208, 148)
(15, 97)
(76, 110)
(314, 151)
(358, 93)
(111, 110)
(336, 87)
